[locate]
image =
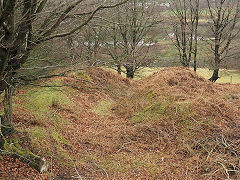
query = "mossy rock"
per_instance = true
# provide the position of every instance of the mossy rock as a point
(12, 147)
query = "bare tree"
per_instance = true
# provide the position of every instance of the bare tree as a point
(128, 42)
(112, 49)
(91, 42)
(24, 24)
(185, 27)
(224, 18)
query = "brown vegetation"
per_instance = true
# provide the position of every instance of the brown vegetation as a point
(171, 125)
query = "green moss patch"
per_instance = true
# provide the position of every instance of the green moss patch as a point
(103, 108)
(152, 112)
(58, 137)
(39, 101)
(38, 136)
(81, 75)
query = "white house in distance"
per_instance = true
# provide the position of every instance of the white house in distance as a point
(154, 3)
(166, 4)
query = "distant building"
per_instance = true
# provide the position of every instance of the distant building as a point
(166, 4)
(153, 3)
(171, 35)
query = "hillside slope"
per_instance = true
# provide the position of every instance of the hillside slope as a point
(99, 125)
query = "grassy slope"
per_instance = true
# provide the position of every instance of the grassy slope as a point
(172, 125)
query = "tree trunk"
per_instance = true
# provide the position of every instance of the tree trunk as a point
(195, 65)
(217, 60)
(185, 61)
(196, 46)
(130, 71)
(196, 40)
(215, 76)
(6, 119)
(119, 69)
(195, 61)
(10, 146)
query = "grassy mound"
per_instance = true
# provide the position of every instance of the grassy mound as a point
(171, 125)
(189, 120)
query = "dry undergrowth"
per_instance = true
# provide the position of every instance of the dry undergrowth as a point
(171, 125)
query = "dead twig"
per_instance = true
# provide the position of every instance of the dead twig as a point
(101, 169)
(75, 167)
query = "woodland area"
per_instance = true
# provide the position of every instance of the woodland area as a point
(119, 89)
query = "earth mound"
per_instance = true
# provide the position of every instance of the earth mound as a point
(106, 78)
(207, 98)
(192, 120)
(179, 80)
(171, 125)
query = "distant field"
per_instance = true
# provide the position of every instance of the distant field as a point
(226, 76)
